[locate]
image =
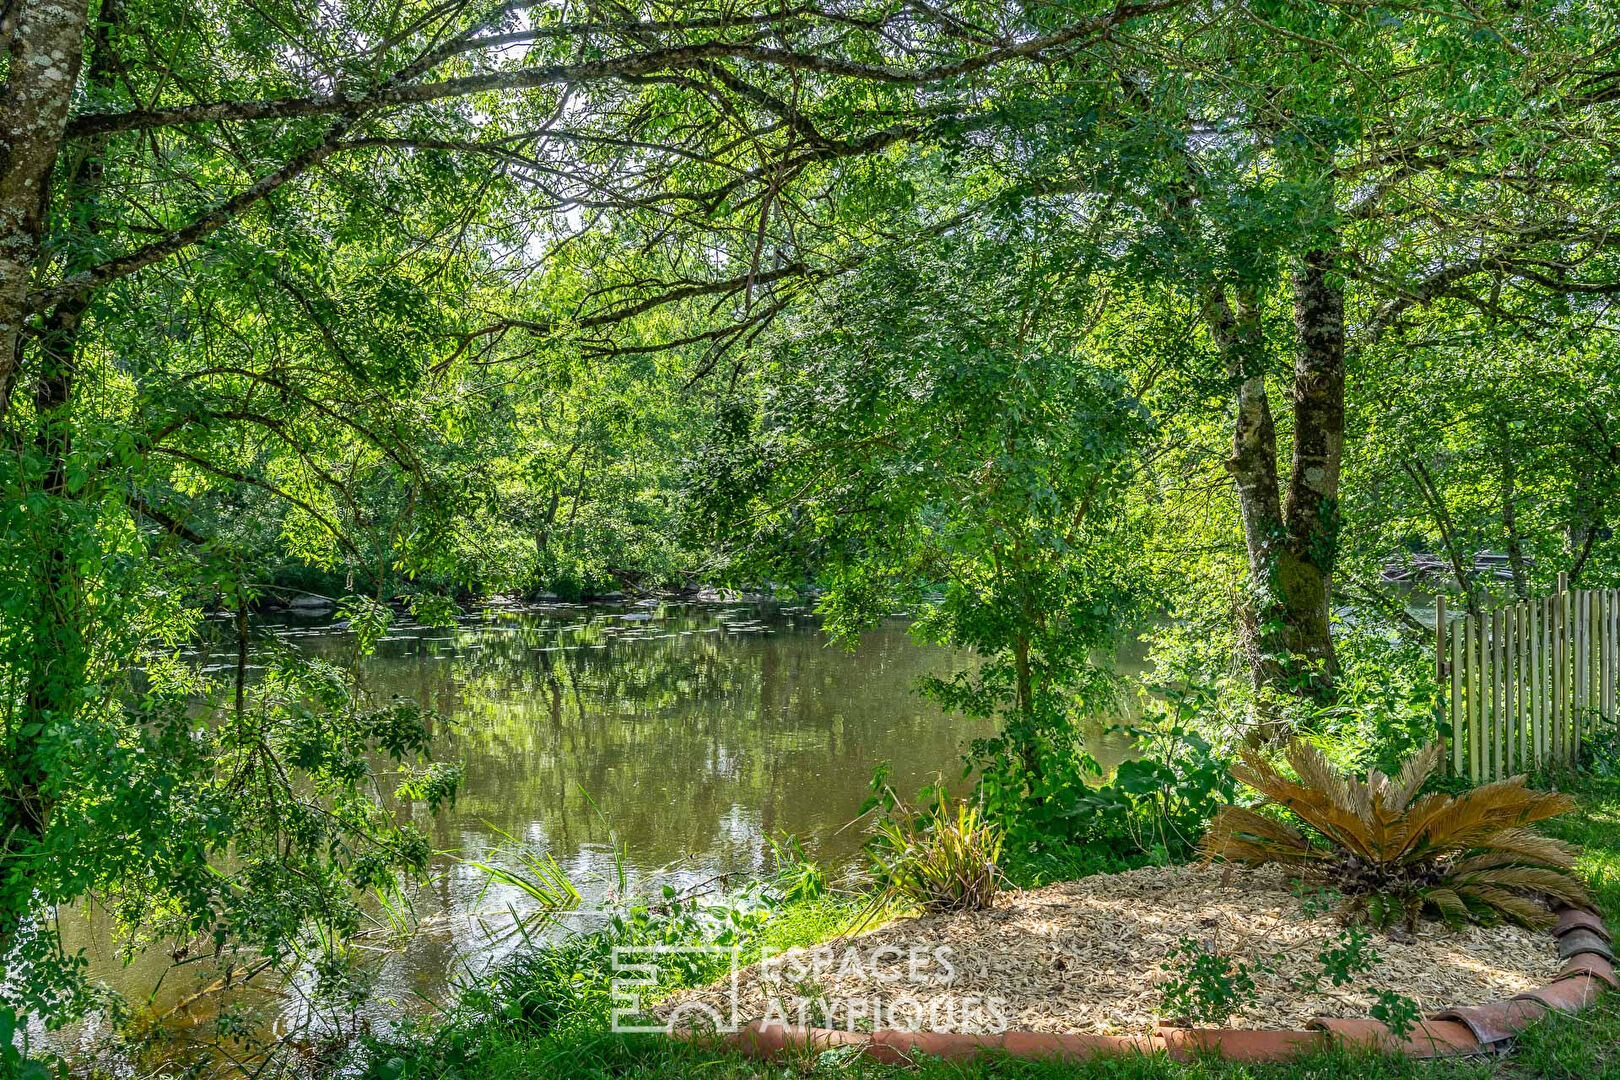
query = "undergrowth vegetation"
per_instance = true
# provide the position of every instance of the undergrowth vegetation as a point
(545, 1013)
(936, 857)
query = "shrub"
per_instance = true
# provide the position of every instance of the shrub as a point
(1465, 857)
(1204, 986)
(1069, 817)
(937, 859)
(1346, 957)
(1162, 799)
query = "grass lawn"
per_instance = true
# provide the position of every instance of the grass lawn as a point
(1586, 1047)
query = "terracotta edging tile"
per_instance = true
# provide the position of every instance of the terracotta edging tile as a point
(955, 1046)
(768, 1041)
(1241, 1044)
(1047, 1044)
(1362, 1034)
(1582, 940)
(1442, 1038)
(1428, 1038)
(1497, 1021)
(1568, 995)
(1580, 919)
(1592, 965)
(1471, 1029)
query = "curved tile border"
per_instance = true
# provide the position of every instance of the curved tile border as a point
(1584, 943)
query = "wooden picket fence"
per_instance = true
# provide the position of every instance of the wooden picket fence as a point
(1528, 682)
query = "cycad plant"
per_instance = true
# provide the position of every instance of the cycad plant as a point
(1464, 857)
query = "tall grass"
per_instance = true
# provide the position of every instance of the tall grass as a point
(542, 881)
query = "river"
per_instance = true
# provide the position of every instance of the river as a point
(640, 744)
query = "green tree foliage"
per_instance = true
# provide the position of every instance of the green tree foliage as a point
(268, 296)
(944, 434)
(1041, 314)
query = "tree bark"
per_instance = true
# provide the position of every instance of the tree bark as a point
(1311, 508)
(59, 653)
(45, 54)
(1291, 533)
(1025, 704)
(1253, 467)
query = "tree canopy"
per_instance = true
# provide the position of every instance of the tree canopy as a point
(1043, 316)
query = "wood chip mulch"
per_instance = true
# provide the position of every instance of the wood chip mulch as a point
(1086, 957)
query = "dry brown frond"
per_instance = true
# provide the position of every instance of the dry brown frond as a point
(1468, 856)
(1241, 835)
(1471, 819)
(1417, 769)
(1554, 883)
(1317, 774)
(1504, 903)
(1532, 847)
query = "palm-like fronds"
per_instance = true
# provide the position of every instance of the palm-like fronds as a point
(1468, 856)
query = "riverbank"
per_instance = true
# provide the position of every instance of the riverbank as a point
(576, 729)
(551, 1019)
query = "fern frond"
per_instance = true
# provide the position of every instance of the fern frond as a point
(1489, 865)
(1319, 811)
(1554, 883)
(1238, 834)
(1471, 819)
(1532, 847)
(1317, 774)
(1448, 903)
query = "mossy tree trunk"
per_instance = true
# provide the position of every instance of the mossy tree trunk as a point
(1290, 525)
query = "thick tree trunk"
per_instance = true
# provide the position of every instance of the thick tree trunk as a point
(1253, 467)
(46, 50)
(58, 660)
(1291, 533)
(1311, 508)
(1025, 704)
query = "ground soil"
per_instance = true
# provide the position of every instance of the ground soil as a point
(1089, 956)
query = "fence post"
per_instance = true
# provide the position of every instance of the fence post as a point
(1566, 673)
(1440, 671)
(1555, 678)
(1501, 657)
(1472, 684)
(1605, 653)
(1521, 672)
(1580, 639)
(1538, 680)
(1458, 706)
(1499, 684)
(1527, 754)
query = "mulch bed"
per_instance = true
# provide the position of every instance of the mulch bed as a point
(1087, 958)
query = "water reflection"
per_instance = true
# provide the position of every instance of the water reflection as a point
(650, 740)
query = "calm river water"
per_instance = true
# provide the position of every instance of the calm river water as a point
(667, 739)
